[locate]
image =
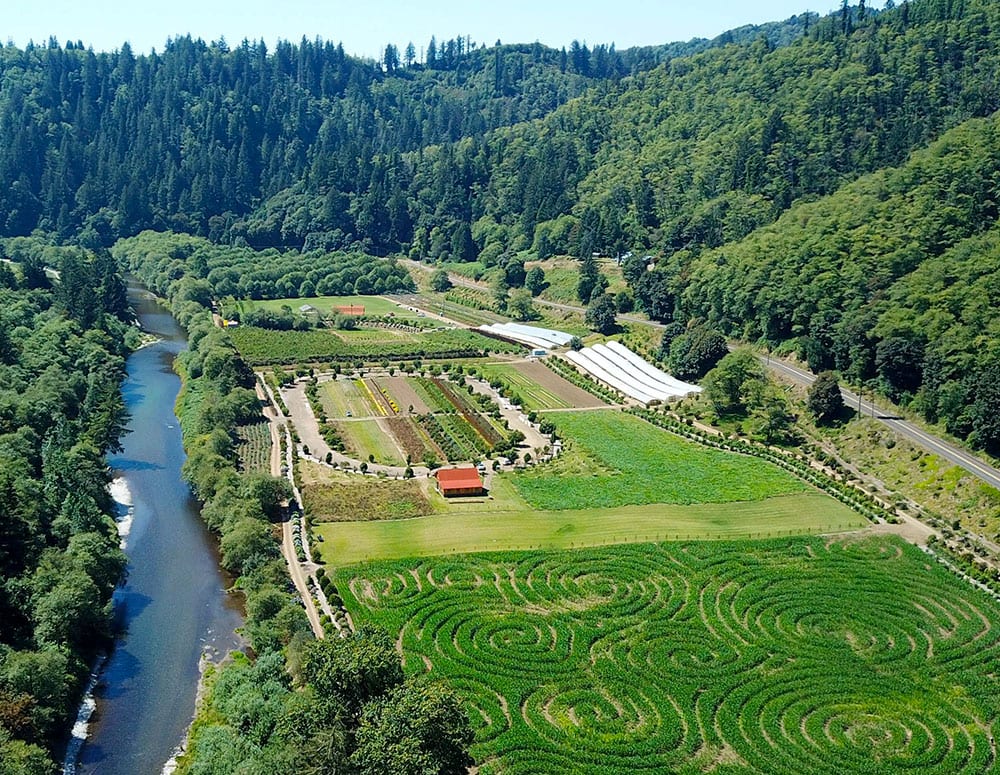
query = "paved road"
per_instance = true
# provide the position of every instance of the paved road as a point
(948, 451)
(907, 430)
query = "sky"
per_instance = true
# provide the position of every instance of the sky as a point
(364, 27)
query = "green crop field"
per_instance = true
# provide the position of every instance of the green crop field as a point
(616, 459)
(261, 347)
(784, 656)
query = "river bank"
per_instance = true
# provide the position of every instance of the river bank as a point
(173, 611)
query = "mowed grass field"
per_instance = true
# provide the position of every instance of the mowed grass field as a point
(788, 656)
(477, 527)
(680, 490)
(366, 437)
(616, 459)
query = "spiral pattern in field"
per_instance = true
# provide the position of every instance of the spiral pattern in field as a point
(776, 657)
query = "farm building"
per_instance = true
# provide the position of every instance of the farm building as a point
(352, 309)
(454, 482)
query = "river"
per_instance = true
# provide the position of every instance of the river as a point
(172, 610)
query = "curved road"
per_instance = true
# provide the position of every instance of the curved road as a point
(950, 452)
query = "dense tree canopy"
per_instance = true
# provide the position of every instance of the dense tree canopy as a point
(61, 361)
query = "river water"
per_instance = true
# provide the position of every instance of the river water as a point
(172, 610)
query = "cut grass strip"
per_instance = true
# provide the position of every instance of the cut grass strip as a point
(483, 529)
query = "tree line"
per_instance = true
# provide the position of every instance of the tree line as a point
(63, 344)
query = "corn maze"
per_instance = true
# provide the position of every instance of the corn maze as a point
(786, 656)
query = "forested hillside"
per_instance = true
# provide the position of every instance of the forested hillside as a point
(221, 130)
(689, 152)
(318, 133)
(892, 279)
(824, 186)
(61, 361)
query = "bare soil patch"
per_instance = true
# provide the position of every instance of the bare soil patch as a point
(567, 391)
(405, 395)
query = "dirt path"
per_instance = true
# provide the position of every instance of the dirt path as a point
(302, 416)
(295, 570)
(910, 529)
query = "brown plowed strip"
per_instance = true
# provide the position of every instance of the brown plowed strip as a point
(404, 394)
(567, 391)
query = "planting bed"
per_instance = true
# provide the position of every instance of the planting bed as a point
(785, 656)
(365, 438)
(342, 398)
(539, 387)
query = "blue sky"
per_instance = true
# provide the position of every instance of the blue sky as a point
(364, 27)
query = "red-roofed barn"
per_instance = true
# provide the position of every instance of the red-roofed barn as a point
(454, 482)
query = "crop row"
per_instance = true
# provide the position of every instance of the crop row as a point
(413, 439)
(454, 436)
(387, 396)
(377, 407)
(469, 298)
(780, 656)
(253, 448)
(432, 394)
(470, 412)
(262, 347)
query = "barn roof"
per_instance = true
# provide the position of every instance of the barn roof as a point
(459, 478)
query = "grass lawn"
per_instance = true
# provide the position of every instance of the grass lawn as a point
(365, 437)
(476, 527)
(375, 306)
(615, 459)
(342, 398)
(563, 276)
